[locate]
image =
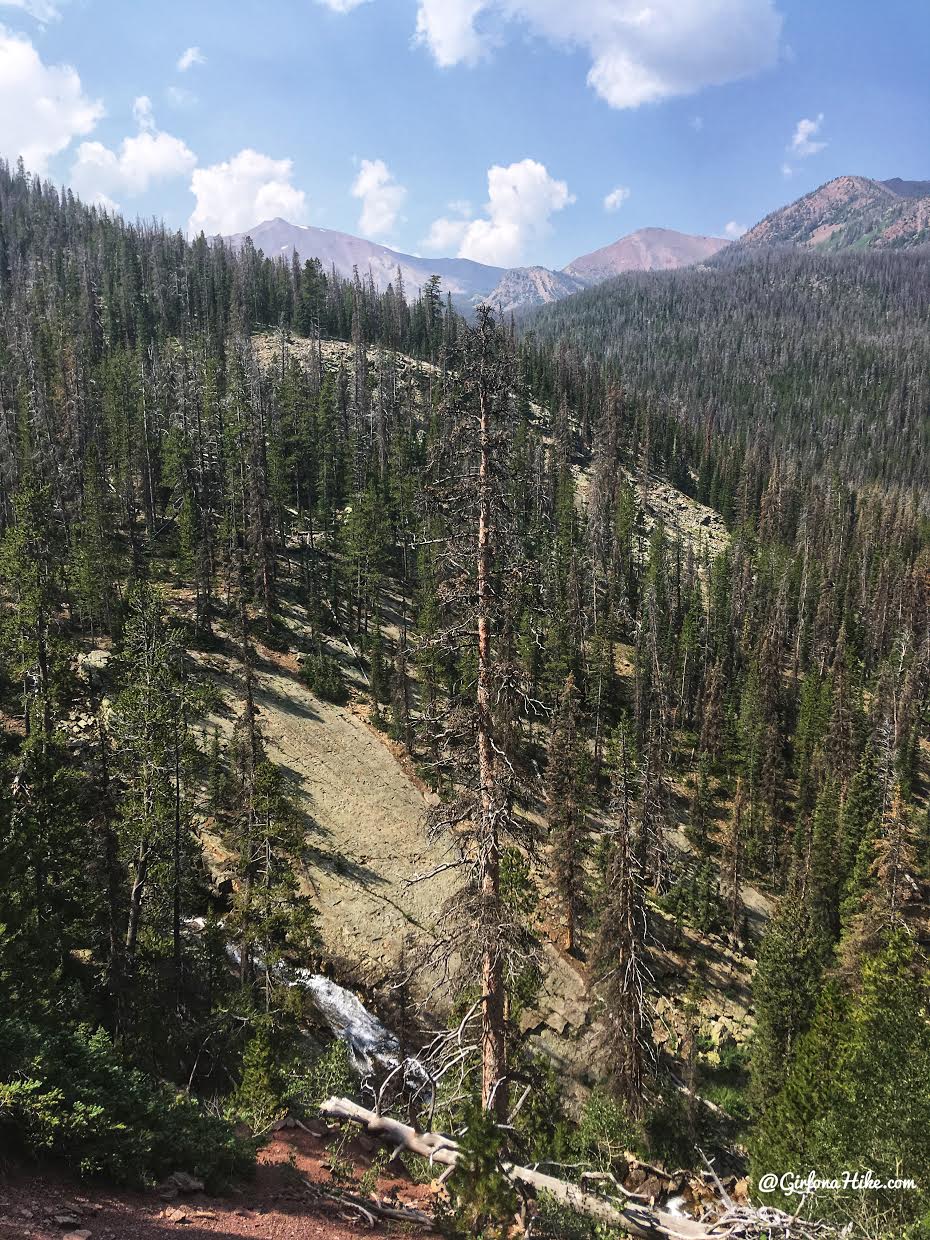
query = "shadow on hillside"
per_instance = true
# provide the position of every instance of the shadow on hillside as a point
(272, 700)
(345, 867)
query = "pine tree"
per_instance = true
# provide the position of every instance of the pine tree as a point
(892, 894)
(619, 959)
(823, 872)
(265, 832)
(567, 779)
(732, 851)
(786, 985)
(94, 563)
(476, 561)
(857, 1092)
(859, 817)
(152, 729)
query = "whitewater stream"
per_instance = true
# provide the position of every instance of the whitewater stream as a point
(374, 1049)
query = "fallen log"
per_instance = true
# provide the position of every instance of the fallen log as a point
(643, 1222)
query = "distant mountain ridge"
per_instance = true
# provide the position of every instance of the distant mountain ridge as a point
(510, 289)
(850, 211)
(649, 249)
(460, 276)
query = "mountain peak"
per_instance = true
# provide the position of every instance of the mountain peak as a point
(850, 211)
(647, 249)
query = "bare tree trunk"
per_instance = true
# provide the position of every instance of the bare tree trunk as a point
(176, 869)
(139, 878)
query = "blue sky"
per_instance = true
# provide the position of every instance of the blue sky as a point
(496, 132)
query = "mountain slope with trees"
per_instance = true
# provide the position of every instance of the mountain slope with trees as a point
(851, 212)
(622, 730)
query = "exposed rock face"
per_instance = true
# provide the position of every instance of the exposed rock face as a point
(532, 286)
(850, 211)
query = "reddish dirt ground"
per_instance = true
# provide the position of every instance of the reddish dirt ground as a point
(43, 1205)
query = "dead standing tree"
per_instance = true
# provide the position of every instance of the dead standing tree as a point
(479, 574)
(621, 970)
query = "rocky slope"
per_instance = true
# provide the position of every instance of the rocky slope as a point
(522, 287)
(850, 211)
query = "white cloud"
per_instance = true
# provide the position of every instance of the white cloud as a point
(381, 196)
(616, 198)
(734, 230)
(189, 57)
(42, 107)
(521, 198)
(243, 191)
(803, 142)
(447, 28)
(444, 236)
(142, 112)
(42, 10)
(341, 6)
(154, 156)
(447, 233)
(640, 52)
(787, 170)
(150, 155)
(696, 123)
(102, 200)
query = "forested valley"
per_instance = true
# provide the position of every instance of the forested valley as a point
(656, 740)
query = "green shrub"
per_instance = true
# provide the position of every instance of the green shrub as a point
(730, 1099)
(327, 1074)
(670, 1135)
(554, 1221)
(322, 674)
(482, 1201)
(605, 1131)
(695, 898)
(70, 1095)
(917, 1231)
(734, 1057)
(260, 1097)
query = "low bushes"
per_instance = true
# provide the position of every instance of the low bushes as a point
(69, 1094)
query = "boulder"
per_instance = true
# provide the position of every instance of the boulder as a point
(185, 1183)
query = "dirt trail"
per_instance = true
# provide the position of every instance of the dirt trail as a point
(366, 819)
(278, 1204)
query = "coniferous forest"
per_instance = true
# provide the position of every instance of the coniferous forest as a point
(636, 589)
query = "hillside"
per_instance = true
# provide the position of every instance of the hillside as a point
(850, 212)
(496, 731)
(836, 346)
